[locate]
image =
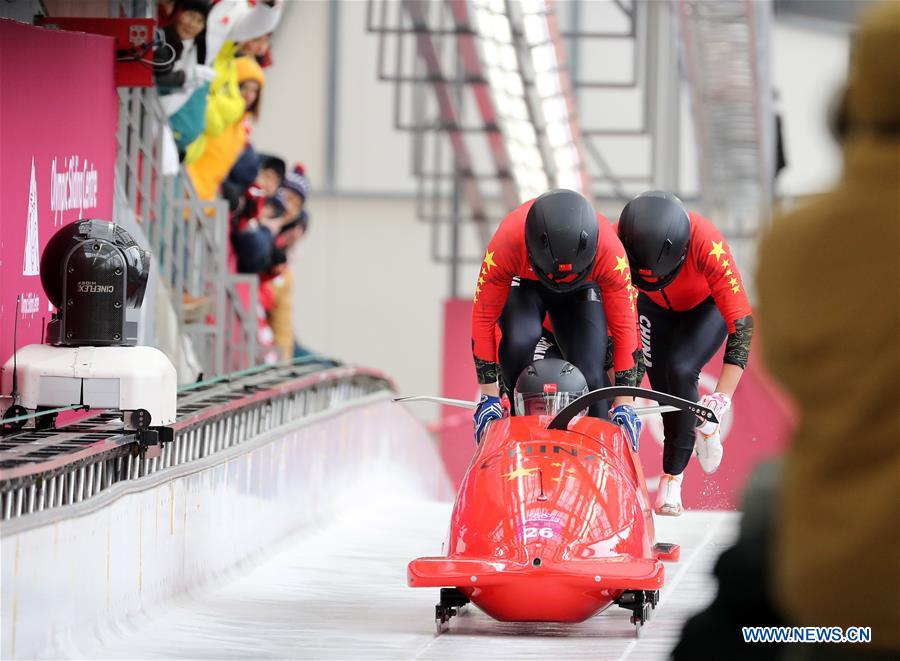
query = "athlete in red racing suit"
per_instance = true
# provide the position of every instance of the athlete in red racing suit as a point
(690, 298)
(554, 256)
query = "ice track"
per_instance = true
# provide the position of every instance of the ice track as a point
(340, 593)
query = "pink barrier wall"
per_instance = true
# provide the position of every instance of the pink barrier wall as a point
(758, 428)
(58, 119)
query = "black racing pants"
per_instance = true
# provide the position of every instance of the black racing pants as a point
(676, 347)
(579, 328)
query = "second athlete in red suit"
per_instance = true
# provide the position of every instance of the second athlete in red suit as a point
(690, 299)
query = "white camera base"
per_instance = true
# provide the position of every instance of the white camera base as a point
(139, 381)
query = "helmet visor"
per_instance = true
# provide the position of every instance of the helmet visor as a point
(546, 403)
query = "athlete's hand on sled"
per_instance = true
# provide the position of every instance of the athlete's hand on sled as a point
(627, 418)
(719, 403)
(708, 446)
(488, 410)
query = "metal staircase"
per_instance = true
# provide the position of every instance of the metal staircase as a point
(488, 101)
(726, 54)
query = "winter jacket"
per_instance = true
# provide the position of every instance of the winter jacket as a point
(223, 145)
(829, 311)
(253, 248)
(224, 104)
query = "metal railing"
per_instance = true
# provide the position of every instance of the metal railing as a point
(41, 470)
(189, 239)
(727, 55)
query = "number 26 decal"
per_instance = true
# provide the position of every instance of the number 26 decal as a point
(533, 533)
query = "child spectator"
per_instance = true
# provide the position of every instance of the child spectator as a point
(183, 86)
(259, 218)
(294, 192)
(185, 47)
(221, 152)
(242, 175)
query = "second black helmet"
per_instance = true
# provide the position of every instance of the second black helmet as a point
(655, 230)
(547, 386)
(561, 234)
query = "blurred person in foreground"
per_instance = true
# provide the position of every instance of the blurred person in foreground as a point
(829, 284)
(819, 538)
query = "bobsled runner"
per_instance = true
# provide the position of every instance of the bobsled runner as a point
(552, 521)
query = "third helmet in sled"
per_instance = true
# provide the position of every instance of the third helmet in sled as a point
(547, 386)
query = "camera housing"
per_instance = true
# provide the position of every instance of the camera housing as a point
(93, 271)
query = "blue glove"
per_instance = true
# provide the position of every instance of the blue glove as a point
(626, 417)
(488, 410)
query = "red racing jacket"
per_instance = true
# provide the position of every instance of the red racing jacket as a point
(710, 270)
(507, 258)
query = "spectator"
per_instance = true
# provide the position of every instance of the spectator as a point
(242, 175)
(185, 46)
(250, 183)
(241, 22)
(258, 219)
(276, 291)
(224, 104)
(184, 86)
(221, 151)
(272, 171)
(819, 537)
(165, 12)
(830, 323)
(295, 192)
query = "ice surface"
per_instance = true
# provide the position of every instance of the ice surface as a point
(341, 593)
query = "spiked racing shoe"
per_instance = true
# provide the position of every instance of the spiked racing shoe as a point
(668, 497)
(708, 449)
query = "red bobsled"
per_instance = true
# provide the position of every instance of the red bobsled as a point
(552, 522)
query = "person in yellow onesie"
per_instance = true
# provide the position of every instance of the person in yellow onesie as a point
(233, 103)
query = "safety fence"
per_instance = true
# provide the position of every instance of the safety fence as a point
(188, 237)
(46, 469)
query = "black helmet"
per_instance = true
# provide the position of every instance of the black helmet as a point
(655, 230)
(547, 386)
(561, 238)
(92, 270)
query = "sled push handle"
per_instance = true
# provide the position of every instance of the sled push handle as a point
(564, 417)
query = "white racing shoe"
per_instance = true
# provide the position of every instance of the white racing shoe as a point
(668, 497)
(708, 449)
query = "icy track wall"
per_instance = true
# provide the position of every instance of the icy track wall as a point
(148, 540)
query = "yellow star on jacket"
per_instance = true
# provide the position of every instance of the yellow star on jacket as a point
(486, 266)
(717, 249)
(519, 472)
(621, 264)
